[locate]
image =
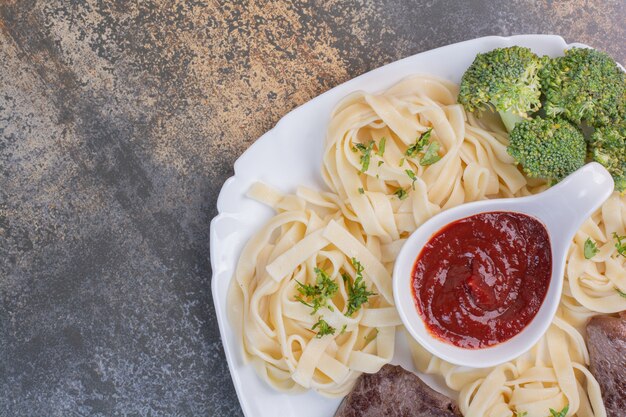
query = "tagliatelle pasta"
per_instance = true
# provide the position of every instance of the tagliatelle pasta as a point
(596, 283)
(279, 334)
(392, 161)
(551, 375)
(396, 190)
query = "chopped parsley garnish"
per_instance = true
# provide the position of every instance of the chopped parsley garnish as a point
(419, 144)
(401, 193)
(561, 413)
(381, 147)
(343, 329)
(621, 244)
(591, 249)
(521, 413)
(361, 191)
(411, 175)
(401, 162)
(431, 155)
(380, 163)
(316, 296)
(623, 294)
(358, 293)
(366, 153)
(324, 328)
(371, 336)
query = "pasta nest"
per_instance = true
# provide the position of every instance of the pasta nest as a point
(310, 234)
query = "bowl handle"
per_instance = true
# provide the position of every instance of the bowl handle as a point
(574, 200)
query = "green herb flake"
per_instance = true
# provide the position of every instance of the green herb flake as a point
(361, 191)
(521, 413)
(343, 329)
(411, 175)
(401, 162)
(431, 155)
(561, 413)
(324, 328)
(381, 147)
(621, 244)
(316, 296)
(591, 249)
(371, 336)
(419, 144)
(623, 294)
(366, 153)
(358, 294)
(401, 193)
(380, 163)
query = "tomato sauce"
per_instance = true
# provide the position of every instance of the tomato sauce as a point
(480, 280)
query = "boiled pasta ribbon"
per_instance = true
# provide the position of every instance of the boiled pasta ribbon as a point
(379, 157)
(294, 344)
(599, 283)
(551, 375)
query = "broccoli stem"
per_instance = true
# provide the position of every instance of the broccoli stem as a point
(510, 119)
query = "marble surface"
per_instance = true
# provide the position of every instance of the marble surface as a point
(119, 122)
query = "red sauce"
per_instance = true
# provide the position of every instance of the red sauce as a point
(480, 280)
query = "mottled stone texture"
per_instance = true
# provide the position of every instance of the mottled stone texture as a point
(120, 121)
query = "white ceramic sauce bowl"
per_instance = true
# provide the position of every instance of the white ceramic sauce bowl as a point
(562, 209)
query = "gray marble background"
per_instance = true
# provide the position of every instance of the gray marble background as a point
(119, 122)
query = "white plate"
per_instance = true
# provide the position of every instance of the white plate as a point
(290, 155)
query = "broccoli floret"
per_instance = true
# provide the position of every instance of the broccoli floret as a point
(505, 80)
(548, 149)
(607, 145)
(584, 85)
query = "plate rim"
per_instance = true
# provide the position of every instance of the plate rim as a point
(230, 181)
